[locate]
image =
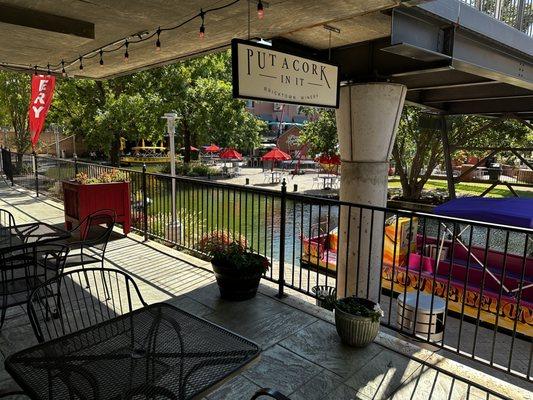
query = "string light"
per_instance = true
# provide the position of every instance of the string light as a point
(118, 44)
(63, 72)
(158, 42)
(202, 27)
(126, 54)
(260, 10)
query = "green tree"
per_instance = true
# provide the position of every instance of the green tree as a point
(14, 101)
(198, 90)
(104, 111)
(418, 147)
(320, 132)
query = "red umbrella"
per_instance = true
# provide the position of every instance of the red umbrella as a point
(192, 148)
(212, 149)
(329, 159)
(230, 154)
(276, 155)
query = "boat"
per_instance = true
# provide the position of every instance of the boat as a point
(479, 283)
(144, 154)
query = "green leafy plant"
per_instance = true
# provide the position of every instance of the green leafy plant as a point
(360, 307)
(230, 250)
(105, 177)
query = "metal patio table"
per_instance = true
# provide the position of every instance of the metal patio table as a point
(27, 236)
(158, 351)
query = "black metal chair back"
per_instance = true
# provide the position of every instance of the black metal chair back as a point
(92, 235)
(64, 304)
(95, 228)
(7, 222)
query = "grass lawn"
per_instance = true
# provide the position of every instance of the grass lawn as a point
(469, 188)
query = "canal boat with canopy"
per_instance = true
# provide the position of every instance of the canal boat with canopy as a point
(475, 270)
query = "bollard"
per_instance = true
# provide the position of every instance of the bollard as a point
(247, 181)
(295, 187)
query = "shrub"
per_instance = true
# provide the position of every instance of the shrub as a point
(105, 177)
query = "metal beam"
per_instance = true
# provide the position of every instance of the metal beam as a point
(30, 18)
(460, 83)
(515, 106)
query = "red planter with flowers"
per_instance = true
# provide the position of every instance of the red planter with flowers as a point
(80, 200)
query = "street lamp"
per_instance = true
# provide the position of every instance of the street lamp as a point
(171, 132)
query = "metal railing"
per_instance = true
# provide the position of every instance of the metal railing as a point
(516, 13)
(471, 283)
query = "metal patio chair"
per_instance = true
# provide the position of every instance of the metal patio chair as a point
(62, 305)
(20, 274)
(89, 240)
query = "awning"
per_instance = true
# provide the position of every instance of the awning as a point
(510, 211)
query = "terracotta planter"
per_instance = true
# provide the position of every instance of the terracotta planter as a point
(235, 286)
(355, 330)
(82, 200)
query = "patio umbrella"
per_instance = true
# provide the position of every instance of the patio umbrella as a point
(230, 154)
(330, 163)
(276, 155)
(334, 159)
(192, 148)
(212, 149)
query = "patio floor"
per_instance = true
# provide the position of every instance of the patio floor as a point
(302, 355)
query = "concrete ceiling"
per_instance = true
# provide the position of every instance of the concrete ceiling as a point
(33, 38)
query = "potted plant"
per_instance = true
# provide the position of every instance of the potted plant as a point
(237, 270)
(109, 190)
(357, 320)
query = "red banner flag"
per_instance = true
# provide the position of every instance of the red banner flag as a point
(42, 91)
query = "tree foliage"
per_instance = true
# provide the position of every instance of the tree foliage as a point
(198, 90)
(418, 147)
(320, 132)
(14, 101)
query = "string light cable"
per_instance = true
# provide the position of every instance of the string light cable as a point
(125, 43)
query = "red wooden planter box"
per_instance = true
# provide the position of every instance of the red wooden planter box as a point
(82, 200)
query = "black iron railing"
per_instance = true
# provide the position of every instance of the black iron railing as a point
(467, 286)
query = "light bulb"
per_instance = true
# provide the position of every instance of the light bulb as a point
(260, 10)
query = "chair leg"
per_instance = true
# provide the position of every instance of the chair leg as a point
(3, 316)
(108, 297)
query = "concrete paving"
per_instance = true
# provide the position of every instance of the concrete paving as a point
(302, 355)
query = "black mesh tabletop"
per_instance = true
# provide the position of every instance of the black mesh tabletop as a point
(158, 352)
(29, 235)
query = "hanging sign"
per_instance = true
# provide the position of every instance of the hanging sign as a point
(262, 73)
(42, 92)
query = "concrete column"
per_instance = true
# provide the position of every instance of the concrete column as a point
(366, 122)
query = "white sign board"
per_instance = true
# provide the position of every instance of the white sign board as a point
(262, 73)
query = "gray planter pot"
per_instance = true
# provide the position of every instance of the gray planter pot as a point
(355, 330)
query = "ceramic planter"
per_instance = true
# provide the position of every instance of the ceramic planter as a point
(355, 330)
(233, 285)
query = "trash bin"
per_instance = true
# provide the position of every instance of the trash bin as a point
(495, 171)
(423, 317)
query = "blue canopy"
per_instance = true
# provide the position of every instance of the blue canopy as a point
(509, 211)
